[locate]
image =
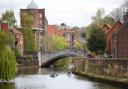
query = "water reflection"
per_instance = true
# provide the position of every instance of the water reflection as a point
(104, 86)
(41, 79)
(27, 71)
(7, 85)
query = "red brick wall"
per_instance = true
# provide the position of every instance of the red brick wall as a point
(38, 17)
(4, 27)
(122, 42)
(114, 29)
(54, 31)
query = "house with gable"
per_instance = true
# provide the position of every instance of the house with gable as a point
(109, 31)
(120, 40)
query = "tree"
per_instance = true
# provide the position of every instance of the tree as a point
(11, 40)
(9, 17)
(109, 20)
(29, 37)
(57, 43)
(77, 44)
(7, 59)
(96, 40)
(118, 13)
(7, 64)
(98, 17)
(83, 34)
(3, 39)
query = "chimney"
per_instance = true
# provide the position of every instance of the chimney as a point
(4, 26)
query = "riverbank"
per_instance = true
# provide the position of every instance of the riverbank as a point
(121, 82)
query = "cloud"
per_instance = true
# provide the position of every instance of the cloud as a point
(72, 12)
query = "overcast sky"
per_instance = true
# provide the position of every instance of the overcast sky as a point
(71, 12)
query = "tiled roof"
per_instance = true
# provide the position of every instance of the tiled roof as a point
(117, 23)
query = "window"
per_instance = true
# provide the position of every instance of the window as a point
(40, 15)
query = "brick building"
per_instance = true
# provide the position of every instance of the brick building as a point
(19, 41)
(120, 40)
(18, 37)
(106, 28)
(109, 31)
(69, 34)
(63, 30)
(39, 24)
(54, 30)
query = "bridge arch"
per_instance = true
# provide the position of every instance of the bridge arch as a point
(62, 54)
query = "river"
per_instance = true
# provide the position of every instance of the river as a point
(41, 79)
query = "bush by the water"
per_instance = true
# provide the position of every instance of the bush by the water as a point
(3, 39)
(7, 64)
(16, 51)
(7, 59)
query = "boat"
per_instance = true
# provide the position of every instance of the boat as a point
(69, 73)
(52, 75)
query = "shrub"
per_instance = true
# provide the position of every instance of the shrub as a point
(7, 64)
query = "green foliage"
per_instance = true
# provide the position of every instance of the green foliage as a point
(7, 64)
(62, 63)
(29, 41)
(96, 40)
(100, 19)
(16, 51)
(99, 15)
(57, 43)
(9, 16)
(3, 39)
(29, 37)
(11, 40)
(83, 34)
(108, 20)
(7, 59)
(89, 28)
(77, 44)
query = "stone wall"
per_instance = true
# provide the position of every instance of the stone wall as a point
(28, 62)
(107, 67)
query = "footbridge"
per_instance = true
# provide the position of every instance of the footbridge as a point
(48, 58)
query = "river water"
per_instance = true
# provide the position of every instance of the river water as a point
(41, 79)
